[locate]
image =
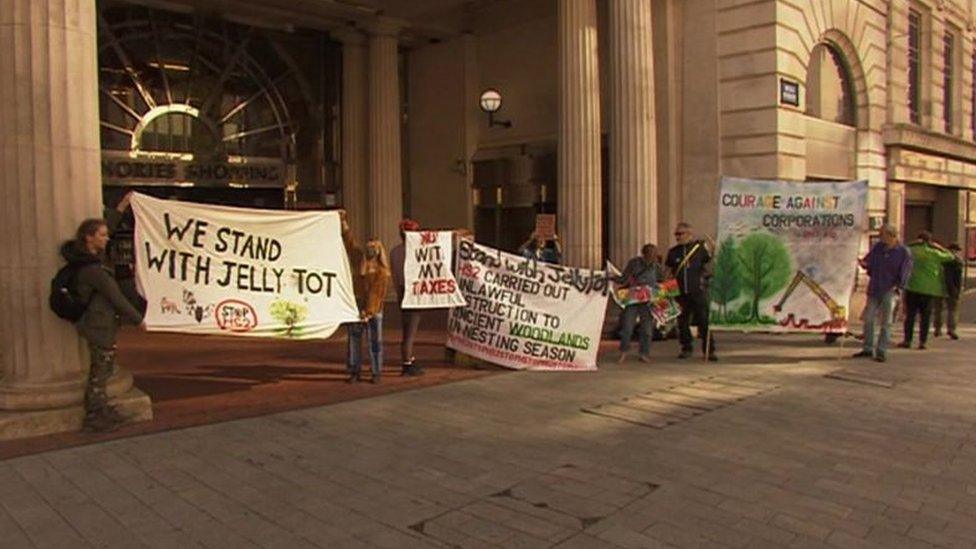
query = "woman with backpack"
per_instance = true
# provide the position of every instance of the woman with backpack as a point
(94, 288)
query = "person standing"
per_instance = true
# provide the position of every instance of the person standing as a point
(409, 318)
(371, 280)
(643, 270)
(952, 276)
(542, 249)
(94, 285)
(889, 265)
(924, 285)
(688, 261)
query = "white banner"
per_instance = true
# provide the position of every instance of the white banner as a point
(428, 279)
(239, 271)
(525, 314)
(786, 255)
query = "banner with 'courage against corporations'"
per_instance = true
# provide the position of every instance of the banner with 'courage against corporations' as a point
(429, 281)
(525, 314)
(240, 271)
(786, 254)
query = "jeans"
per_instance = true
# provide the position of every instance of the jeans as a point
(354, 359)
(628, 319)
(878, 307)
(917, 305)
(694, 304)
(951, 306)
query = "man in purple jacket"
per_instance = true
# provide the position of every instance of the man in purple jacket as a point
(889, 265)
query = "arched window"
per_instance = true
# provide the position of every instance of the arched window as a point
(830, 92)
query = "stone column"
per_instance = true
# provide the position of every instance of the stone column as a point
(384, 168)
(633, 132)
(50, 182)
(579, 212)
(354, 123)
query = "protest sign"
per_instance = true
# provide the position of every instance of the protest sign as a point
(428, 279)
(545, 226)
(238, 271)
(787, 255)
(524, 314)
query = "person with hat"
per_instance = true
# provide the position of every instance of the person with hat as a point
(409, 318)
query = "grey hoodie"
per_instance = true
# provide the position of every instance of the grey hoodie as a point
(95, 285)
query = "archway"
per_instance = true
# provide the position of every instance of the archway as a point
(837, 109)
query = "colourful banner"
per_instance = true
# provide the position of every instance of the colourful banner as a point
(525, 314)
(427, 271)
(786, 255)
(238, 271)
(659, 297)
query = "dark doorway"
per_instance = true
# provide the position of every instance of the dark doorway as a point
(918, 218)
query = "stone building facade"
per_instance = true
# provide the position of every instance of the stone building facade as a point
(622, 116)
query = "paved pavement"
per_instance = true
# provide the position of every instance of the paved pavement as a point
(774, 454)
(223, 378)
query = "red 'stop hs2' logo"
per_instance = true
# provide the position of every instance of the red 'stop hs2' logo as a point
(234, 315)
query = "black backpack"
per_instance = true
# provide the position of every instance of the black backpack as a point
(64, 300)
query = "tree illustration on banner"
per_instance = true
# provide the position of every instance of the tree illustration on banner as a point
(726, 285)
(765, 268)
(290, 314)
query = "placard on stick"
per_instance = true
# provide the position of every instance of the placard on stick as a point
(545, 225)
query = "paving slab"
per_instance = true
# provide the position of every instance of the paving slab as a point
(760, 450)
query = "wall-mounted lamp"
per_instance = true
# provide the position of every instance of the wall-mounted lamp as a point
(491, 102)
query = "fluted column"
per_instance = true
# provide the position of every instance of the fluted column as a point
(354, 123)
(384, 173)
(50, 181)
(580, 219)
(633, 135)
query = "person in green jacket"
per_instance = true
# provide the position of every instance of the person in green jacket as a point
(924, 285)
(98, 326)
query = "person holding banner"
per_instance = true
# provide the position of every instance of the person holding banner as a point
(409, 318)
(643, 270)
(371, 281)
(688, 262)
(95, 286)
(889, 264)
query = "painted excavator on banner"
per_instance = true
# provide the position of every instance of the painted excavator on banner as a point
(838, 313)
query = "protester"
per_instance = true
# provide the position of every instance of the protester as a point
(924, 285)
(94, 286)
(371, 280)
(952, 276)
(889, 265)
(409, 318)
(542, 249)
(688, 262)
(643, 270)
